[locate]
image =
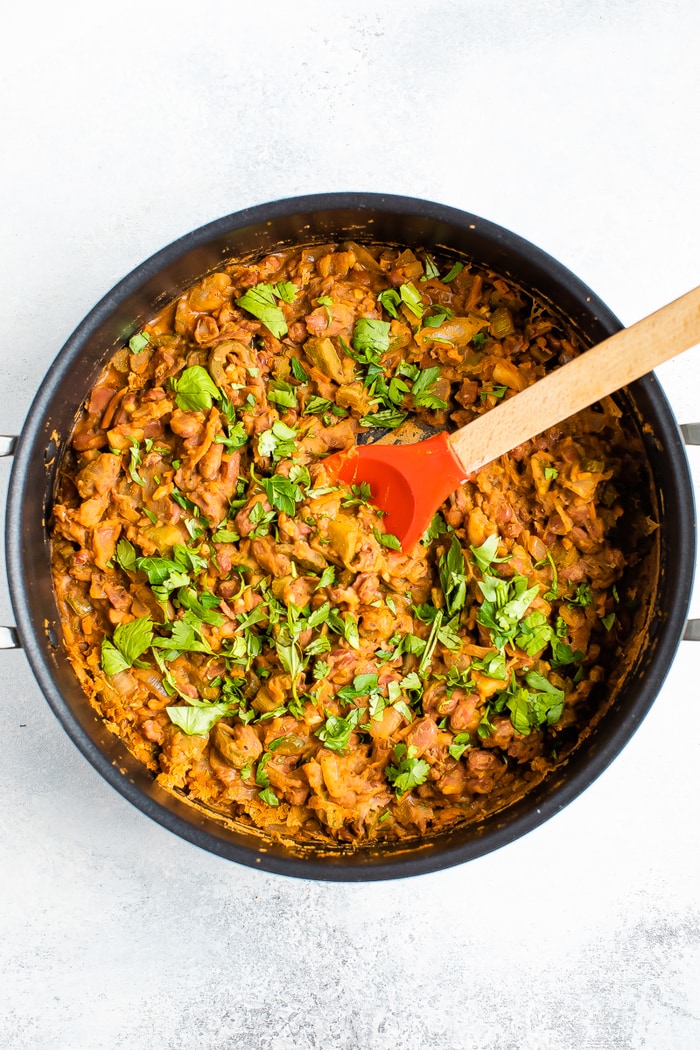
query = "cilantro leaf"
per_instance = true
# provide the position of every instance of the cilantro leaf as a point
(534, 633)
(278, 442)
(506, 602)
(336, 731)
(202, 605)
(197, 721)
(362, 685)
(260, 302)
(138, 342)
(437, 315)
(411, 298)
(350, 630)
(485, 555)
(496, 391)
(286, 290)
(195, 390)
(129, 641)
(327, 577)
(321, 670)
(437, 527)
(431, 269)
(390, 300)
(236, 437)
(409, 771)
(316, 406)
(452, 577)
(582, 596)
(282, 493)
(530, 708)
(281, 393)
(453, 272)
(387, 539)
(126, 555)
(185, 637)
(427, 378)
(389, 419)
(493, 665)
(371, 335)
(460, 743)
(563, 654)
(298, 370)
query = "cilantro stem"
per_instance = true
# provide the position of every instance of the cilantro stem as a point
(430, 644)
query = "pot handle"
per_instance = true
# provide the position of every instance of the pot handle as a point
(9, 639)
(691, 436)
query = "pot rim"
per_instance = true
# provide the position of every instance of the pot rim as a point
(33, 442)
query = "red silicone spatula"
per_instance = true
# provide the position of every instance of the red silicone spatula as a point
(410, 482)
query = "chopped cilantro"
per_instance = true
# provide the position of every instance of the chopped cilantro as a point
(286, 290)
(371, 335)
(327, 577)
(412, 300)
(138, 342)
(389, 419)
(534, 633)
(452, 577)
(460, 743)
(278, 442)
(505, 604)
(563, 654)
(195, 390)
(485, 555)
(129, 642)
(453, 272)
(298, 370)
(281, 393)
(197, 721)
(493, 391)
(409, 771)
(316, 406)
(431, 269)
(582, 596)
(390, 300)
(282, 493)
(436, 528)
(422, 386)
(260, 302)
(437, 315)
(336, 731)
(387, 539)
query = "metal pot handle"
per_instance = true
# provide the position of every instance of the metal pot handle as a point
(691, 436)
(9, 639)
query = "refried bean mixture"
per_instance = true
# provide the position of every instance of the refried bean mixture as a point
(251, 631)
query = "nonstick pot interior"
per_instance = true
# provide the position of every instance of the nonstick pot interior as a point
(362, 217)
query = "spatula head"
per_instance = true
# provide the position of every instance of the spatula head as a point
(408, 482)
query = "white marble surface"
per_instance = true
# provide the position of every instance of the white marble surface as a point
(125, 125)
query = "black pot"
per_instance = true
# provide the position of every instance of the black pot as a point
(369, 217)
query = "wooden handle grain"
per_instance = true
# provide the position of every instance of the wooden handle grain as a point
(612, 364)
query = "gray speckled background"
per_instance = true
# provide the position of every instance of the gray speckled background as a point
(124, 126)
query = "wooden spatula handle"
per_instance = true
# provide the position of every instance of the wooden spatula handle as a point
(612, 364)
